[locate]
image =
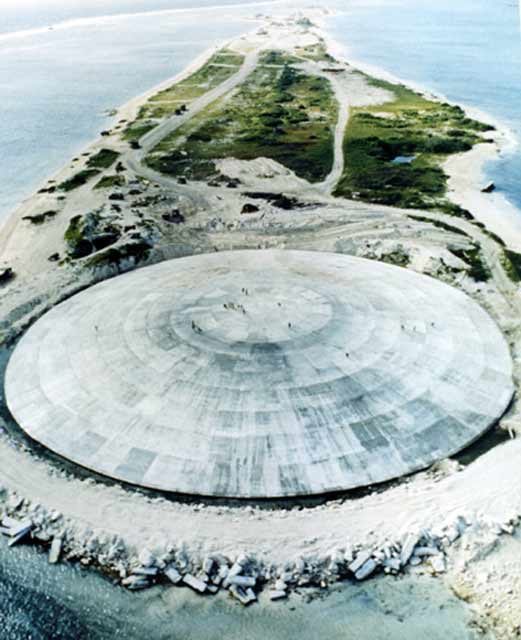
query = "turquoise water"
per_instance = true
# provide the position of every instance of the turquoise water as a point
(468, 50)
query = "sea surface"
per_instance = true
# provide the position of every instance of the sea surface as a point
(65, 64)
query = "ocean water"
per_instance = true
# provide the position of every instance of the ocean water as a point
(57, 84)
(467, 50)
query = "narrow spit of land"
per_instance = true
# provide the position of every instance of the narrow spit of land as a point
(268, 142)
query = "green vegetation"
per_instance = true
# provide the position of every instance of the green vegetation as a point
(220, 67)
(104, 159)
(494, 237)
(89, 233)
(40, 218)
(79, 179)
(74, 233)
(479, 270)
(421, 131)
(278, 58)
(279, 113)
(439, 224)
(511, 261)
(315, 52)
(137, 130)
(110, 181)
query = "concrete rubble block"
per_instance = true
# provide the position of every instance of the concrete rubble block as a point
(194, 583)
(408, 548)
(280, 585)
(147, 558)
(393, 564)
(208, 565)
(151, 572)
(242, 581)
(245, 597)
(438, 563)
(235, 569)
(135, 582)
(9, 522)
(421, 552)
(19, 531)
(452, 534)
(366, 569)
(55, 550)
(361, 558)
(275, 594)
(173, 574)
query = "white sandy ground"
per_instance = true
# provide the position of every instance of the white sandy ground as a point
(466, 179)
(488, 489)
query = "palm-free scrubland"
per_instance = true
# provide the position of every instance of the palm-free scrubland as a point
(104, 159)
(78, 179)
(279, 113)
(511, 261)
(176, 98)
(394, 151)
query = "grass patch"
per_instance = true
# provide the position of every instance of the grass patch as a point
(104, 159)
(110, 181)
(137, 130)
(79, 179)
(409, 125)
(278, 58)
(316, 52)
(279, 113)
(511, 261)
(472, 256)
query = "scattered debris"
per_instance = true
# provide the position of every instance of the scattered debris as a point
(55, 550)
(194, 583)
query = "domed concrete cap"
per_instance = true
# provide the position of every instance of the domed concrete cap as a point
(261, 374)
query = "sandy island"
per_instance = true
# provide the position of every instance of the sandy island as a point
(457, 520)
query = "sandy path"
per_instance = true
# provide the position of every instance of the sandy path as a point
(330, 183)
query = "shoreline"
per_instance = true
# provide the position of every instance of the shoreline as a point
(128, 110)
(466, 171)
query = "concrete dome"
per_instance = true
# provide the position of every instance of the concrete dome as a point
(260, 374)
